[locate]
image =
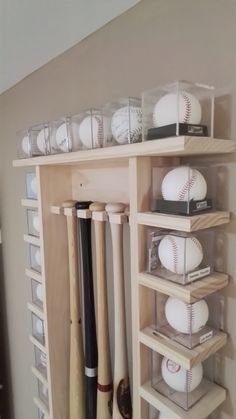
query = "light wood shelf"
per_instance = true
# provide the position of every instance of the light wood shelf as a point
(184, 223)
(36, 310)
(187, 358)
(174, 146)
(39, 375)
(187, 293)
(30, 273)
(32, 239)
(36, 343)
(30, 203)
(201, 410)
(39, 403)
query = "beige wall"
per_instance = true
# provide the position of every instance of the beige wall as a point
(156, 42)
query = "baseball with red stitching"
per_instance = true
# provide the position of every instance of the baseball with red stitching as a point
(126, 124)
(184, 184)
(186, 318)
(91, 131)
(173, 108)
(180, 255)
(180, 379)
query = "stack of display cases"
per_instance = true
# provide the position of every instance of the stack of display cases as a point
(122, 173)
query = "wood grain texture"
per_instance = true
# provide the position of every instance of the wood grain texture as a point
(76, 384)
(121, 390)
(105, 387)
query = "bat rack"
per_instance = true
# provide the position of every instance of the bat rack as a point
(101, 175)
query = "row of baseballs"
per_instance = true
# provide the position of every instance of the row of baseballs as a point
(125, 124)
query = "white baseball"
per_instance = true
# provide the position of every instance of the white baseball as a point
(166, 109)
(41, 140)
(127, 121)
(180, 379)
(39, 326)
(43, 359)
(25, 144)
(37, 257)
(33, 185)
(186, 318)
(36, 224)
(62, 137)
(39, 292)
(180, 255)
(184, 184)
(91, 131)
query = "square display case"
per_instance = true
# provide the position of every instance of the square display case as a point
(88, 129)
(33, 223)
(38, 329)
(42, 415)
(123, 122)
(35, 257)
(43, 393)
(37, 293)
(61, 136)
(178, 256)
(41, 361)
(181, 386)
(178, 108)
(184, 190)
(189, 324)
(31, 186)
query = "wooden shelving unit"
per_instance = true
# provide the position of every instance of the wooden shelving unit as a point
(121, 173)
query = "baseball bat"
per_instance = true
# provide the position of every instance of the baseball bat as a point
(122, 407)
(104, 385)
(91, 356)
(76, 384)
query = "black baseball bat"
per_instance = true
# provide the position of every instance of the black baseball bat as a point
(91, 354)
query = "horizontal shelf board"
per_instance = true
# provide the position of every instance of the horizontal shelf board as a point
(36, 310)
(178, 353)
(184, 223)
(31, 203)
(36, 343)
(42, 406)
(187, 293)
(201, 410)
(30, 273)
(32, 239)
(174, 146)
(39, 375)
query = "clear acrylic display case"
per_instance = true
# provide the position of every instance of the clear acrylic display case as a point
(88, 129)
(31, 186)
(37, 293)
(41, 415)
(34, 141)
(184, 190)
(178, 108)
(38, 329)
(123, 120)
(35, 257)
(189, 324)
(181, 386)
(178, 256)
(33, 223)
(61, 136)
(41, 361)
(43, 393)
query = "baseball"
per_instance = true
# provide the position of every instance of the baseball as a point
(41, 140)
(180, 379)
(33, 185)
(186, 318)
(126, 124)
(37, 257)
(36, 224)
(62, 137)
(184, 184)
(91, 131)
(39, 326)
(180, 255)
(39, 292)
(166, 109)
(25, 144)
(43, 359)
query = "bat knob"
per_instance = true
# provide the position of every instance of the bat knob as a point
(115, 207)
(97, 206)
(82, 204)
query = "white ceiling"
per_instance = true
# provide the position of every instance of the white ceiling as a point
(32, 32)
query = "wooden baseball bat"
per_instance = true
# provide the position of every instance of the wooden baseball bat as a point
(91, 356)
(122, 407)
(104, 386)
(76, 385)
